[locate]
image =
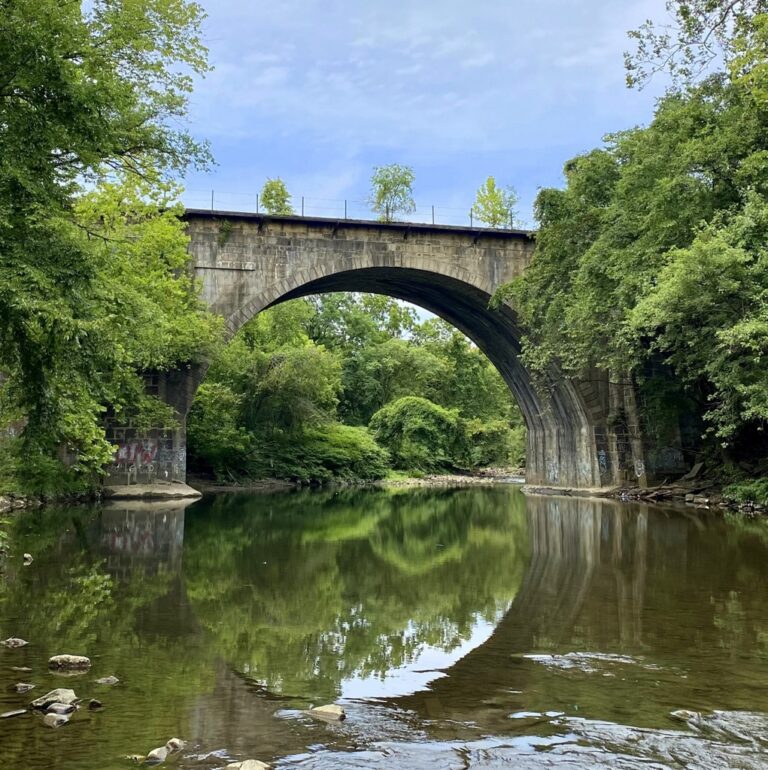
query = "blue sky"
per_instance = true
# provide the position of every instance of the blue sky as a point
(320, 92)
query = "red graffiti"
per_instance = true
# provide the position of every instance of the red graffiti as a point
(140, 452)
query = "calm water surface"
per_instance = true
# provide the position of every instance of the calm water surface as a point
(464, 628)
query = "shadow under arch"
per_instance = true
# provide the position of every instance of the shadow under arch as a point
(561, 446)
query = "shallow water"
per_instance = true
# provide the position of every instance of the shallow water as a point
(460, 628)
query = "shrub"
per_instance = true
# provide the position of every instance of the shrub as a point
(419, 434)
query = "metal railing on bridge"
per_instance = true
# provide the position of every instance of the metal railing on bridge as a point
(336, 208)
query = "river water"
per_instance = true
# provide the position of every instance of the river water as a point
(459, 628)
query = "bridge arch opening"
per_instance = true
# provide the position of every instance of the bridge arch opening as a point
(559, 442)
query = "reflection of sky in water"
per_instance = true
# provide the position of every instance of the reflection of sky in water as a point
(428, 665)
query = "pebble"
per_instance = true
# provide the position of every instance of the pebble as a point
(14, 642)
(69, 661)
(55, 720)
(331, 712)
(108, 680)
(15, 713)
(22, 687)
(54, 696)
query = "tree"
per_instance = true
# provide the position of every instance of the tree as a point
(392, 191)
(275, 198)
(495, 205)
(88, 91)
(699, 33)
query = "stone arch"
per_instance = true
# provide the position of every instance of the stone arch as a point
(561, 443)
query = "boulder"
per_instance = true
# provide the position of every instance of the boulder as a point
(22, 687)
(108, 680)
(156, 756)
(79, 662)
(330, 713)
(14, 642)
(59, 695)
(55, 720)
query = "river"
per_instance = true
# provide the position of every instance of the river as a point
(458, 628)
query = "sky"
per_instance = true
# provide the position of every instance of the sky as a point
(318, 93)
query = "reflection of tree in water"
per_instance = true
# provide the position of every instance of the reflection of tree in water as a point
(303, 592)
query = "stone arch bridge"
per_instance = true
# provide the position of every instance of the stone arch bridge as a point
(249, 262)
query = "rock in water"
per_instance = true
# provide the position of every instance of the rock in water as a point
(175, 744)
(95, 705)
(15, 713)
(108, 680)
(55, 720)
(249, 764)
(54, 696)
(69, 662)
(14, 642)
(330, 713)
(156, 756)
(27, 559)
(60, 708)
(23, 687)
(21, 669)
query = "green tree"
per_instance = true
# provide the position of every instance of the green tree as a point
(419, 434)
(700, 34)
(88, 91)
(392, 191)
(495, 205)
(275, 198)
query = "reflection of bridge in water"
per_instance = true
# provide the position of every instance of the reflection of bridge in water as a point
(586, 587)
(585, 584)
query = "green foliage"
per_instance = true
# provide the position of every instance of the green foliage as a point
(392, 191)
(275, 198)
(495, 205)
(418, 433)
(655, 252)
(91, 285)
(754, 491)
(274, 398)
(699, 33)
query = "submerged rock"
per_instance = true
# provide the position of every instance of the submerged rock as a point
(330, 713)
(59, 695)
(55, 720)
(108, 680)
(249, 764)
(60, 708)
(21, 669)
(79, 662)
(14, 642)
(22, 687)
(95, 705)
